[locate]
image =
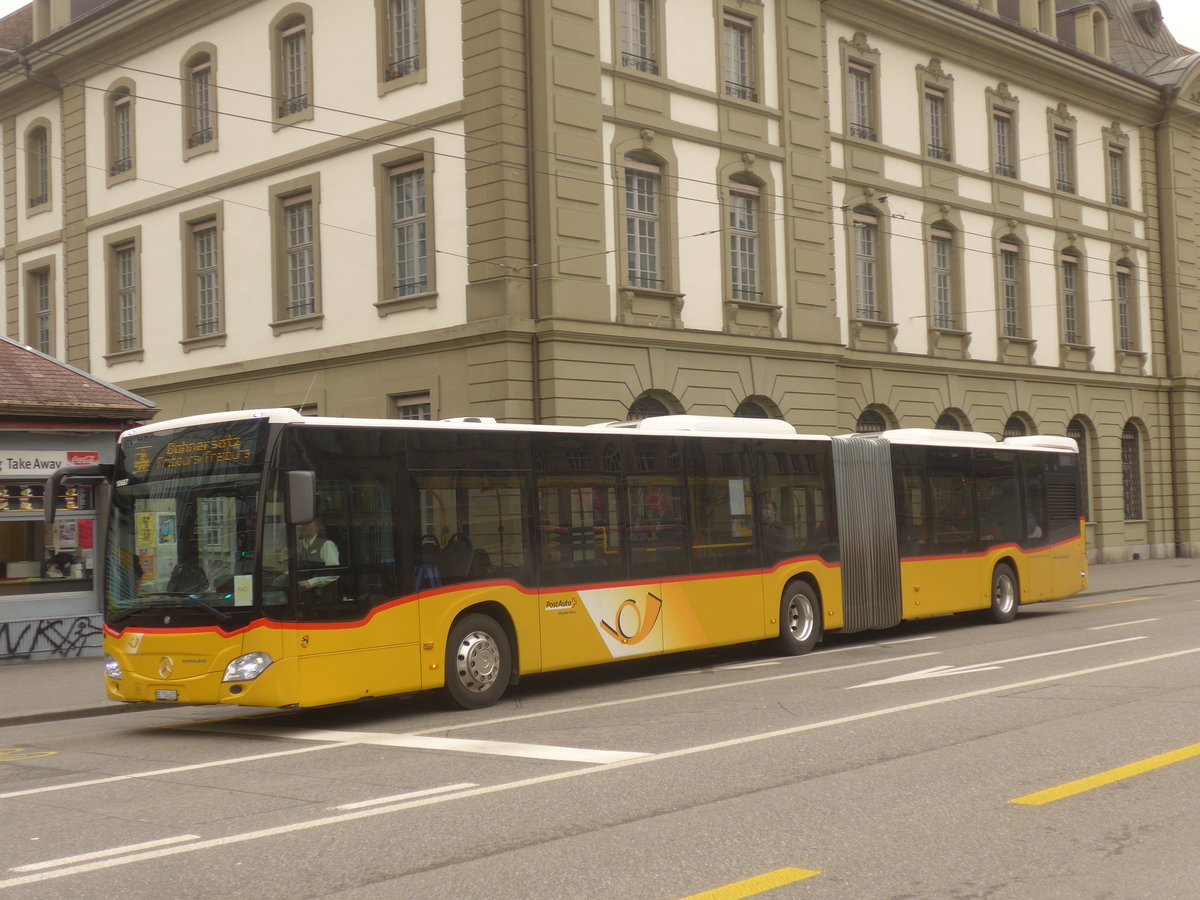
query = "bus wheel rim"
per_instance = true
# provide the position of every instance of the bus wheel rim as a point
(800, 619)
(478, 661)
(1005, 595)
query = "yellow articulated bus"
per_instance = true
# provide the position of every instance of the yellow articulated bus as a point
(270, 559)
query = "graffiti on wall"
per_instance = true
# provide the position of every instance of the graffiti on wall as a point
(67, 636)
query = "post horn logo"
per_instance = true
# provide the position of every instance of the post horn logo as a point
(632, 624)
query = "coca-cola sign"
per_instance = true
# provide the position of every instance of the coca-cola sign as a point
(44, 463)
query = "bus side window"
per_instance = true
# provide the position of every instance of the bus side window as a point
(1033, 495)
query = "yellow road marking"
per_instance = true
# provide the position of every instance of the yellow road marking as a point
(12, 754)
(1071, 788)
(759, 884)
(1110, 602)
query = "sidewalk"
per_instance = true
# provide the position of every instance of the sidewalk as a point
(54, 689)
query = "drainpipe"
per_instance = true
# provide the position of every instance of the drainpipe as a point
(535, 367)
(1169, 262)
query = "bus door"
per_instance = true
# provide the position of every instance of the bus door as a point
(723, 600)
(1038, 583)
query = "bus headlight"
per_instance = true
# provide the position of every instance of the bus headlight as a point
(248, 667)
(112, 669)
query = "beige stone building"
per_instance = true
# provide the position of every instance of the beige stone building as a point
(848, 213)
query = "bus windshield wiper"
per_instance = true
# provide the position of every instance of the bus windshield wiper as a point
(223, 617)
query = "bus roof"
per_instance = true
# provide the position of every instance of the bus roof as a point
(729, 426)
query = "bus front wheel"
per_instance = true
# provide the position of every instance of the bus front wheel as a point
(478, 661)
(799, 619)
(1004, 594)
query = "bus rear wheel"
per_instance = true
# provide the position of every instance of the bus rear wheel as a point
(478, 661)
(1004, 594)
(799, 619)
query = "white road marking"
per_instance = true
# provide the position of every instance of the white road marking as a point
(1121, 624)
(427, 742)
(171, 771)
(942, 671)
(356, 815)
(99, 854)
(428, 792)
(753, 665)
(583, 708)
(668, 695)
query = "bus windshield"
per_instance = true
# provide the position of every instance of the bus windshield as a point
(183, 524)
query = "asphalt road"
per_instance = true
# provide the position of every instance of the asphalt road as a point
(1055, 756)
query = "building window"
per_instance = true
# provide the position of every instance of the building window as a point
(37, 167)
(200, 102)
(860, 86)
(740, 74)
(639, 35)
(937, 132)
(403, 39)
(948, 422)
(1015, 427)
(870, 421)
(1004, 144)
(748, 409)
(1118, 177)
(865, 233)
(300, 255)
(1078, 433)
(942, 279)
(646, 407)
(1064, 160)
(125, 309)
(409, 249)
(643, 224)
(291, 49)
(744, 258)
(205, 287)
(414, 408)
(120, 134)
(1072, 308)
(1126, 308)
(1131, 471)
(39, 307)
(1011, 304)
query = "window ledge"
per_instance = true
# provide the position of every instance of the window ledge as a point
(124, 356)
(300, 323)
(421, 76)
(302, 115)
(423, 300)
(200, 342)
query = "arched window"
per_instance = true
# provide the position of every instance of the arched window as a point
(748, 409)
(1131, 471)
(37, 167)
(646, 407)
(292, 64)
(199, 101)
(870, 421)
(1015, 427)
(948, 422)
(1078, 433)
(121, 142)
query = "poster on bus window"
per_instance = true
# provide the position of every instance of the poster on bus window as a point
(147, 529)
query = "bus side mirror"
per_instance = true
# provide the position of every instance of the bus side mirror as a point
(97, 474)
(300, 498)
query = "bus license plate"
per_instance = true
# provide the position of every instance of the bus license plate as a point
(166, 694)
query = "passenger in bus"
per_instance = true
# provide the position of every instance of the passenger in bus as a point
(315, 551)
(776, 536)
